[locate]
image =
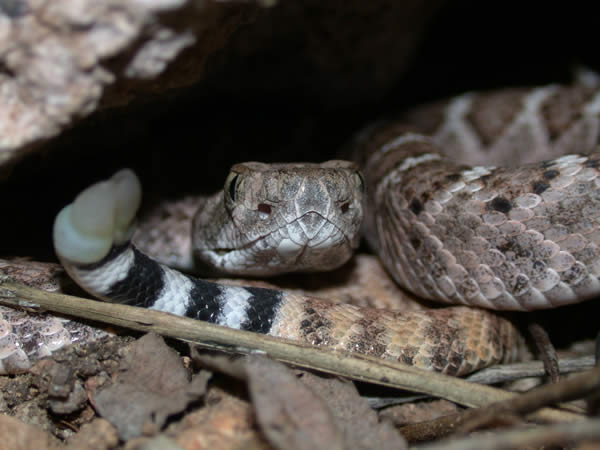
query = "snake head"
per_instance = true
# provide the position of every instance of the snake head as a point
(278, 218)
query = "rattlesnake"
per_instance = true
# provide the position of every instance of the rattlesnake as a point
(522, 237)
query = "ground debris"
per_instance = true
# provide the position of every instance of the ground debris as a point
(227, 421)
(66, 394)
(17, 435)
(419, 411)
(303, 411)
(252, 402)
(152, 385)
(99, 434)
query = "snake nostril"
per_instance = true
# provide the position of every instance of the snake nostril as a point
(264, 208)
(345, 207)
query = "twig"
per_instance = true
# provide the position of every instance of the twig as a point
(496, 374)
(545, 349)
(538, 437)
(355, 366)
(510, 372)
(577, 386)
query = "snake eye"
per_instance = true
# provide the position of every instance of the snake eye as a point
(359, 180)
(264, 208)
(232, 185)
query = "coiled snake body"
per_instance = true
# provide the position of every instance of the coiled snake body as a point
(520, 237)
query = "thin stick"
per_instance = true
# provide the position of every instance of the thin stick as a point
(355, 366)
(575, 387)
(538, 437)
(498, 374)
(510, 372)
(546, 350)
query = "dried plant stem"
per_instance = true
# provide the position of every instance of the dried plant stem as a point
(537, 437)
(510, 372)
(575, 387)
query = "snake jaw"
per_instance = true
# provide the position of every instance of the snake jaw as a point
(275, 253)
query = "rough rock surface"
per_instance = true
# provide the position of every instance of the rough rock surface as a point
(54, 56)
(61, 60)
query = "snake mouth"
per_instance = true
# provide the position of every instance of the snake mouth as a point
(223, 251)
(337, 230)
(311, 224)
(290, 247)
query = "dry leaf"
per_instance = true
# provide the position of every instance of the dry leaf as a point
(290, 414)
(153, 385)
(314, 412)
(359, 423)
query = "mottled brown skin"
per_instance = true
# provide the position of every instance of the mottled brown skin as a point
(518, 238)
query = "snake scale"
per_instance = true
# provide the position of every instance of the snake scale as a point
(447, 224)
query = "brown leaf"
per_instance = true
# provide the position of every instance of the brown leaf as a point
(290, 414)
(359, 423)
(310, 411)
(313, 411)
(153, 385)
